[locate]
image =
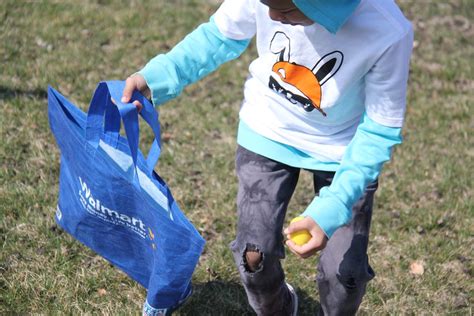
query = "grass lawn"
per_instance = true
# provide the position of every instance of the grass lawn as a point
(423, 217)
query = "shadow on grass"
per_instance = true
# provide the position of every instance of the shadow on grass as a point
(229, 298)
(7, 93)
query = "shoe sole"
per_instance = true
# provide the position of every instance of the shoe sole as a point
(294, 297)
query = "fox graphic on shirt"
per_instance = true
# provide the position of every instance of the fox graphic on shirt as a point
(298, 83)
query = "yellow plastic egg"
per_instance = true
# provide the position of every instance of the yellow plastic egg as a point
(300, 237)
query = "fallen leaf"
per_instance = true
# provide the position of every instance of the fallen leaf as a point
(165, 137)
(102, 292)
(417, 267)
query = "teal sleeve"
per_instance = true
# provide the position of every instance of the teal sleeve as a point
(197, 55)
(362, 162)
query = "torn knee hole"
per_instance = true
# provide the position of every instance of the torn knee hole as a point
(253, 258)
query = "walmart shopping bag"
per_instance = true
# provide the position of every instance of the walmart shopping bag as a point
(111, 200)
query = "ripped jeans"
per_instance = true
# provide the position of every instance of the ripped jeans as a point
(265, 189)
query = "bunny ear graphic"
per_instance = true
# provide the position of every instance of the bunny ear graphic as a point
(327, 66)
(280, 44)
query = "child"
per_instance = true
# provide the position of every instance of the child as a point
(326, 94)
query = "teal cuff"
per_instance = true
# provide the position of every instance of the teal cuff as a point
(162, 78)
(198, 54)
(362, 163)
(328, 212)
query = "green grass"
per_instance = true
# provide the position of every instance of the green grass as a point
(424, 206)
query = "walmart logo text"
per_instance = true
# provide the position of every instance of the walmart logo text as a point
(96, 208)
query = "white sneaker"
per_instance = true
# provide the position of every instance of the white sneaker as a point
(294, 299)
(151, 311)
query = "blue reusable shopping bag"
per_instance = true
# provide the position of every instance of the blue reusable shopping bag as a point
(111, 200)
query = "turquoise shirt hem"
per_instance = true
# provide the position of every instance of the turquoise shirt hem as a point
(280, 152)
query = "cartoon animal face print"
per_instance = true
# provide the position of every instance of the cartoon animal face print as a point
(299, 84)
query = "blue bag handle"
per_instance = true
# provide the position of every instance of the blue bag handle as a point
(101, 105)
(112, 125)
(148, 112)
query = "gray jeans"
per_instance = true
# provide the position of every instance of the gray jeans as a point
(265, 189)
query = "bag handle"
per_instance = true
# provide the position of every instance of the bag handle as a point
(112, 125)
(149, 114)
(102, 106)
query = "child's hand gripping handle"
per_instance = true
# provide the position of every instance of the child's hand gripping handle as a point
(133, 83)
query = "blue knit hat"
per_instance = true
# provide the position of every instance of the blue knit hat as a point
(331, 14)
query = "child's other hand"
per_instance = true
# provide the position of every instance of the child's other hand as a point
(315, 244)
(135, 82)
